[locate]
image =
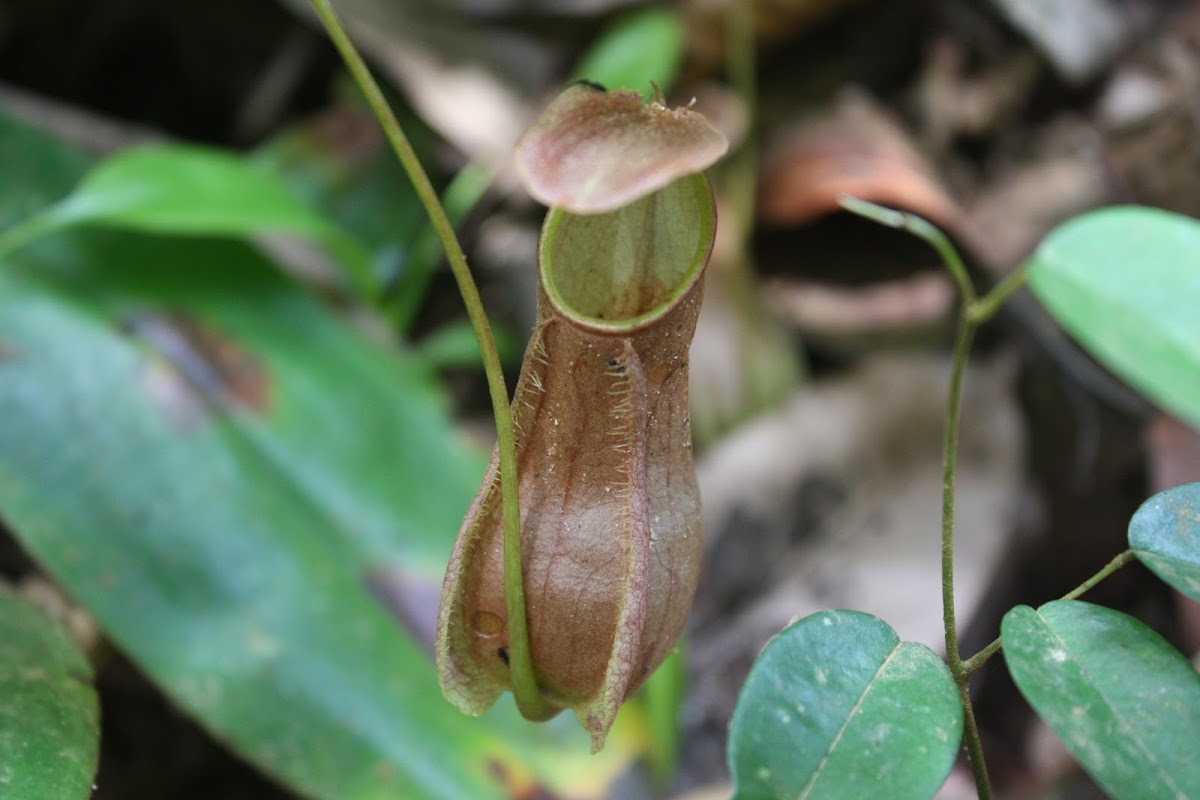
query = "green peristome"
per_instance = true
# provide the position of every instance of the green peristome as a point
(623, 269)
(610, 509)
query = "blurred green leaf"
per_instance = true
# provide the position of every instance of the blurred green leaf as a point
(1125, 282)
(235, 483)
(195, 191)
(1165, 535)
(837, 706)
(49, 715)
(406, 294)
(662, 698)
(38, 171)
(640, 47)
(1125, 702)
(339, 164)
(454, 345)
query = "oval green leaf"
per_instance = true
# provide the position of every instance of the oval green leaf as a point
(1165, 535)
(198, 191)
(1125, 703)
(1125, 282)
(837, 706)
(49, 714)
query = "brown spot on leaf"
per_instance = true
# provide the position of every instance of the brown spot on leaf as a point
(516, 785)
(173, 395)
(199, 367)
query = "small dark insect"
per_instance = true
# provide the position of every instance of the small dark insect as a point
(599, 87)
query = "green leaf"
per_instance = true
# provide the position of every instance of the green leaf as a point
(340, 166)
(1165, 535)
(1126, 703)
(196, 191)
(233, 525)
(38, 171)
(662, 698)
(235, 484)
(454, 346)
(49, 715)
(460, 197)
(1125, 282)
(641, 47)
(837, 706)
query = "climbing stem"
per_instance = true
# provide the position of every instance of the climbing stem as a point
(969, 320)
(973, 312)
(525, 687)
(962, 348)
(922, 229)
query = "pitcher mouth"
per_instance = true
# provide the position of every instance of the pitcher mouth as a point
(624, 269)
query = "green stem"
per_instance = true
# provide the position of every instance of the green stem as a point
(962, 348)
(967, 325)
(974, 312)
(987, 306)
(1108, 569)
(983, 785)
(975, 662)
(770, 366)
(525, 688)
(902, 220)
